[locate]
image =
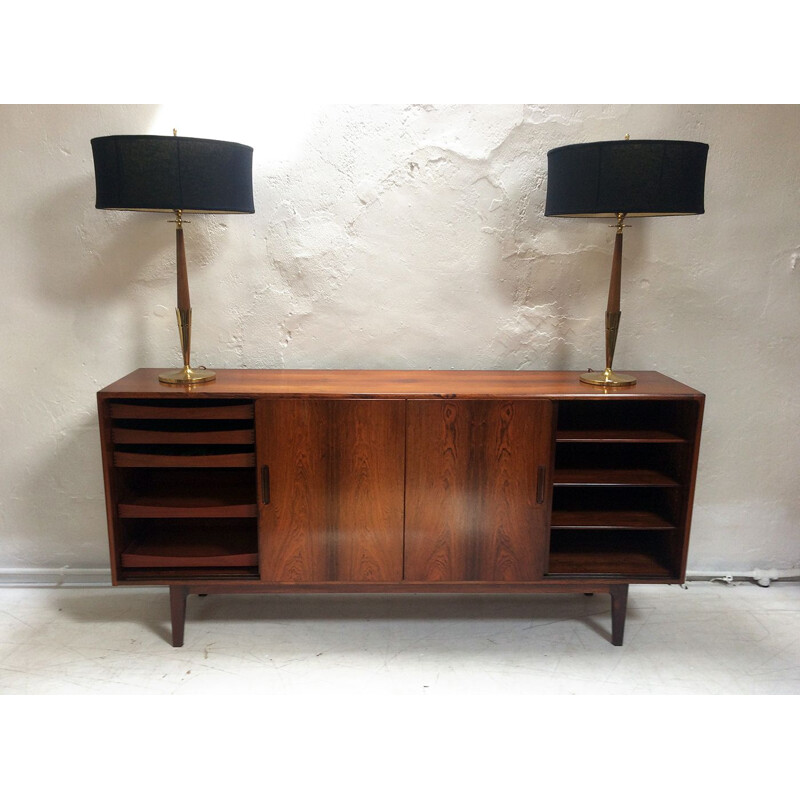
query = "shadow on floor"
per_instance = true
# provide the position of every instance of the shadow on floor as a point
(150, 607)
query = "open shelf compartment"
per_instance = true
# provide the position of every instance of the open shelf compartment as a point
(187, 493)
(621, 474)
(621, 421)
(635, 554)
(185, 485)
(190, 543)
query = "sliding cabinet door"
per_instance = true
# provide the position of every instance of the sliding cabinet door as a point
(331, 489)
(477, 489)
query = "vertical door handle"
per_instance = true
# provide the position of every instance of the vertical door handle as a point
(265, 485)
(541, 474)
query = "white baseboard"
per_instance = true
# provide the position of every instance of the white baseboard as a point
(63, 576)
(77, 576)
(761, 576)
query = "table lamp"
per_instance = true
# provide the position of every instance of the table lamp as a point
(620, 179)
(179, 175)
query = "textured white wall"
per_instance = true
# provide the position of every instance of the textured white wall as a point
(401, 237)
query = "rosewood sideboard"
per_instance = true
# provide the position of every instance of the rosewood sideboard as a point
(398, 481)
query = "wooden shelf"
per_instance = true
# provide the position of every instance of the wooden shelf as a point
(180, 410)
(612, 477)
(162, 508)
(166, 574)
(618, 436)
(619, 553)
(641, 519)
(188, 493)
(614, 563)
(201, 437)
(205, 548)
(158, 460)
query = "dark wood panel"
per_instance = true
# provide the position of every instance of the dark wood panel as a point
(335, 510)
(692, 418)
(471, 492)
(111, 484)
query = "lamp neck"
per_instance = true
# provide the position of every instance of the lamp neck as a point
(179, 220)
(621, 222)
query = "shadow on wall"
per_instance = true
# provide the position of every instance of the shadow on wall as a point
(122, 255)
(63, 497)
(104, 260)
(575, 280)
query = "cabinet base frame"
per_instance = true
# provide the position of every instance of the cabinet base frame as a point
(618, 592)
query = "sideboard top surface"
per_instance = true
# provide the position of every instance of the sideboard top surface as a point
(398, 383)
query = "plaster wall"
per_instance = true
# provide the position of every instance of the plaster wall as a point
(401, 237)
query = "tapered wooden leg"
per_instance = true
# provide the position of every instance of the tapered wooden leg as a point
(619, 608)
(177, 608)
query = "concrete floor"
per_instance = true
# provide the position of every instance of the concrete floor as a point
(706, 639)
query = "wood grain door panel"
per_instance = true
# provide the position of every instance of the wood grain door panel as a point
(335, 510)
(477, 497)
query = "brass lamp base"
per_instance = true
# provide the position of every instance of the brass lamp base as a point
(607, 378)
(188, 375)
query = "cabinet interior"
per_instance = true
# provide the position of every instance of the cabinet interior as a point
(185, 488)
(621, 484)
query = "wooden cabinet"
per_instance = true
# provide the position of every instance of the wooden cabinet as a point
(276, 481)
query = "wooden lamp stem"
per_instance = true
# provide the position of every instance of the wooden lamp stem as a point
(183, 275)
(184, 313)
(608, 377)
